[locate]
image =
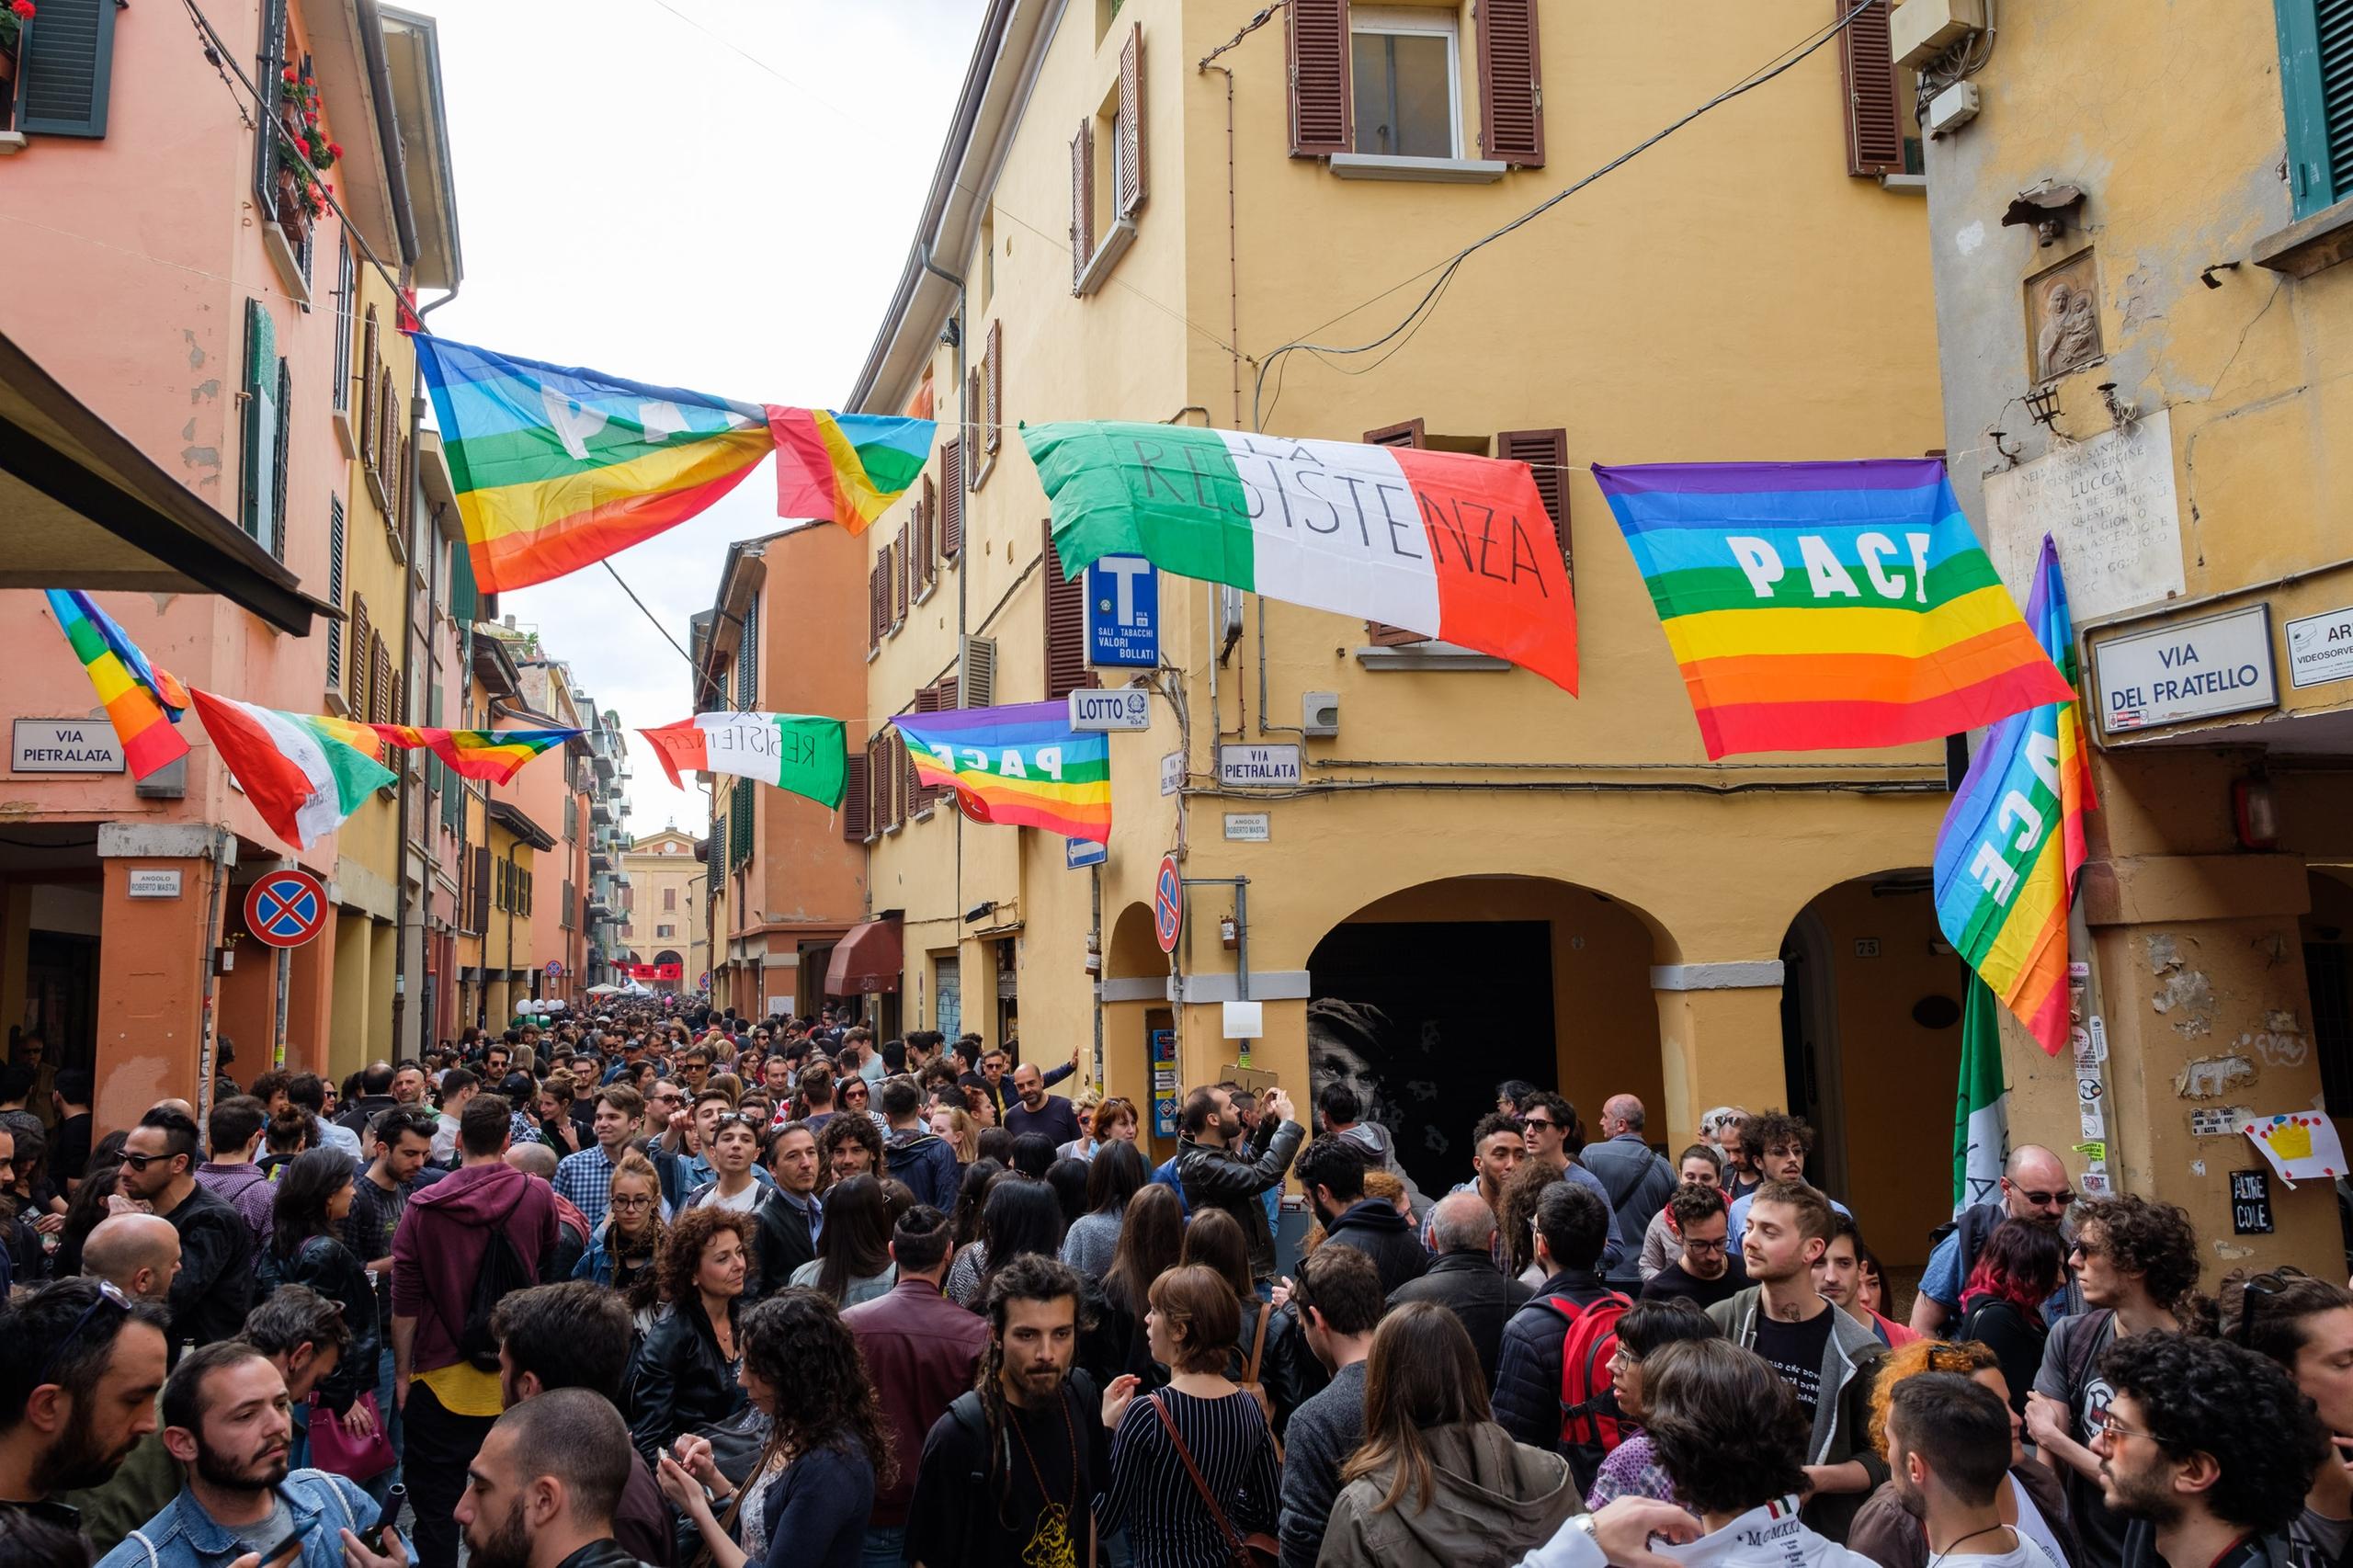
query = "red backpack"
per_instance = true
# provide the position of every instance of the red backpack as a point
(1589, 1423)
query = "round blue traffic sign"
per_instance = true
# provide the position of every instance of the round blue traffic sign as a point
(286, 909)
(1167, 905)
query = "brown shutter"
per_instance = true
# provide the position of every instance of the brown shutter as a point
(1319, 78)
(481, 887)
(928, 701)
(874, 602)
(927, 533)
(366, 434)
(1867, 68)
(1410, 434)
(856, 817)
(901, 569)
(975, 411)
(1132, 188)
(996, 429)
(355, 694)
(1546, 453)
(1511, 84)
(379, 683)
(1066, 668)
(952, 499)
(1082, 201)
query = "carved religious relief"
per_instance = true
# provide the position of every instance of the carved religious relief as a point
(2063, 317)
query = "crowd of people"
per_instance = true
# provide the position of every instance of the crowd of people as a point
(680, 1290)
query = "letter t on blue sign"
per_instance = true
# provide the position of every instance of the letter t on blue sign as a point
(1123, 612)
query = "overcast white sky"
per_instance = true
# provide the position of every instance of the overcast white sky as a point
(636, 196)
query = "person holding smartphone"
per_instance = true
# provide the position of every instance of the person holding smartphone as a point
(228, 1421)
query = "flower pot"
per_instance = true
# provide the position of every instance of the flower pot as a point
(291, 217)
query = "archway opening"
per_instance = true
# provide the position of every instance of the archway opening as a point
(1423, 1000)
(1870, 1050)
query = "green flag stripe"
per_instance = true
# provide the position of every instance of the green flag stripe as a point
(1727, 587)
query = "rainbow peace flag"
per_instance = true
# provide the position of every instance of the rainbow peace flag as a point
(1824, 605)
(848, 467)
(1022, 765)
(557, 468)
(494, 755)
(2012, 839)
(142, 701)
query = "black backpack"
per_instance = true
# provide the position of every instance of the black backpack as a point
(503, 1270)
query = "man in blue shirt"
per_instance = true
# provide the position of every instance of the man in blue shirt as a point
(2034, 1188)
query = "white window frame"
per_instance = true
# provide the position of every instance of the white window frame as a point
(1417, 21)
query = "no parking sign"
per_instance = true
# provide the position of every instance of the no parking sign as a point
(286, 909)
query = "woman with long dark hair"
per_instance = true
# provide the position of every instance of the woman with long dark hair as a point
(1067, 1178)
(853, 1263)
(1434, 1460)
(1020, 1216)
(89, 1204)
(1269, 1353)
(2001, 1305)
(687, 1372)
(306, 1247)
(972, 1191)
(810, 1492)
(1150, 1242)
(1115, 1174)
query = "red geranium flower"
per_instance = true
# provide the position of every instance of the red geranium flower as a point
(24, 10)
(290, 75)
(335, 149)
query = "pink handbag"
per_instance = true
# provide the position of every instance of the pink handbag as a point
(356, 1458)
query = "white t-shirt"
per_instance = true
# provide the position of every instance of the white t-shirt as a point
(2027, 1554)
(2032, 1526)
(743, 1202)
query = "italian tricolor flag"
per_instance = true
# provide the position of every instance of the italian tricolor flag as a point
(1981, 1122)
(1452, 546)
(797, 752)
(301, 775)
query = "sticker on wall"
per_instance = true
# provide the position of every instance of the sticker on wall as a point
(2218, 1121)
(2300, 1144)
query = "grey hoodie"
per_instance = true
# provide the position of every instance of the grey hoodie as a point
(1380, 1153)
(1841, 1421)
(1494, 1501)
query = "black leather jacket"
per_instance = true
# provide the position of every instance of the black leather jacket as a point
(606, 1553)
(682, 1381)
(334, 1271)
(1286, 1367)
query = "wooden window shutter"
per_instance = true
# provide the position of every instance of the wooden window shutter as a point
(896, 584)
(1409, 434)
(354, 699)
(1546, 453)
(1132, 188)
(1511, 84)
(1320, 90)
(481, 887)
(929, 699)
(66, 71)
(974, 412)
(258, 504)
(1081, 201)
(388, 439)
(1867, 69)
(874, 616)
(2316, 91)
(280, 460)
(335, 589)
(952, 499)
(1066, 668)
(928, 544)
(879, 774)
(994, 431)
(380, 682)
(976, 673)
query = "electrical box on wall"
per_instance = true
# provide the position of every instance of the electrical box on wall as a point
(1319, 712)
(1919, 31)
(1951, 109)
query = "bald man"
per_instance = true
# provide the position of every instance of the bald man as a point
(1462, 1275)
(1634, 1177)
(572, 1227)
(2034, 1188)
(182, 1107)
(139, 1253)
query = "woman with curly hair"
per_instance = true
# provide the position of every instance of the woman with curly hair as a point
(810, 1490)
(2136, 1267)
(1887, 1527)
(687, 1372)
(2001, 1306)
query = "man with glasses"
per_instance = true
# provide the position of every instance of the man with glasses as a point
(77, 1391)
(2134, 1259)
(2205, 1450)
(215, 1284)
(1706, 1271)
(1547, 1124)
(2034, 1188)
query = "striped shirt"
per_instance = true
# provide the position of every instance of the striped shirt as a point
(1153, 1495)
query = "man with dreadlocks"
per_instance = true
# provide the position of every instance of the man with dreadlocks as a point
(1008, 1473)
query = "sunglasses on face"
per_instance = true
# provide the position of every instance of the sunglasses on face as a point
(139, 1161)
(1533, 1123)
(2063, 1197)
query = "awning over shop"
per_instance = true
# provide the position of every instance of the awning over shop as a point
(82, 507)
(865, 961)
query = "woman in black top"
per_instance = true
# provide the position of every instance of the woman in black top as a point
(1152, 1242)
(687, 1369)
(306, 1247)
(2001, 1306)
(1286, 1369)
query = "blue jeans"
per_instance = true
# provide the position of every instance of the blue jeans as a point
(886, 1546)
(389, 1412)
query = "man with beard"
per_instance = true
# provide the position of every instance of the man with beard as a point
(542, 1490)
(1006, 1472)
(77, 1391)
(1331, 1172)
(1216, 1170)
(2205, 1450)
(215, 1284)
(228, 1420)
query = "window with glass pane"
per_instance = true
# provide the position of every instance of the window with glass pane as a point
(1404, 89)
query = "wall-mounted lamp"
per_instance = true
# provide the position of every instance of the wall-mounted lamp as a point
(2255, 813)
(2120, 414)
(980, 912)
(2042, 406)
(2009, 454)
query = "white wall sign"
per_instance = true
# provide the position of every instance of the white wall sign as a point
(64, 745)
(1257, 765)
(1172, 773)
(153, 884)
(2109, 503)
(1249, 827)
(2320, 648)
(2191, 669)
(1245, 1020)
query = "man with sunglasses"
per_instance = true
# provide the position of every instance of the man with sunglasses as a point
(215, 1284)
(77, 1391)
(1547, 1123)
(2205, 1449)
(2134, 1259)
(2034, 1188)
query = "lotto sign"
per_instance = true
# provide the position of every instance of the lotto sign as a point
(1167, 905)
(286, 909)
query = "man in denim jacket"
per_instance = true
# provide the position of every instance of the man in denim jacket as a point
(228, 1421)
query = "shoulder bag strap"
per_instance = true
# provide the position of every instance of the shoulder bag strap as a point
(1160, 1408)
(1258, 1342)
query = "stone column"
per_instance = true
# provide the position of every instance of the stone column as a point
(1720, 1039)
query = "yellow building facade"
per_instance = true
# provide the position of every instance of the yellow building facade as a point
(664, 907)
(1463, 874)
(2142, 340)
